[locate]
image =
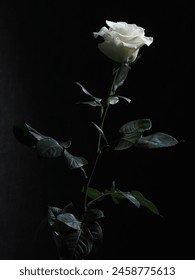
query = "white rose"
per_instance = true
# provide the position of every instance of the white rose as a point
(122, 41)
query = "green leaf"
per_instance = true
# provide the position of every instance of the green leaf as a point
(93, 214)
(49, 148)
(125, 98)
(128, 141)
(69, 208)
(73, 162)
(63, 220)
(94, 193)
(145, 202)
(53, 212)
(100, 131)
(97, 233)
(69, 220)
(76, 237)
(139, 125)
(132, 132)
(79, 243)
(131, 198)
(98, 100)
(26, 135)
(91, 103)
(156, 140)
(66, 144)
(116, 196)
(121, 76)
(113, 99)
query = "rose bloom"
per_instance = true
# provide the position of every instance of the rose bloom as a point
(122, 41)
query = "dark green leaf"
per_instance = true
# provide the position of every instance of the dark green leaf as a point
(79, 243)
(74, 162)
(125, 98)
(97, 233)
(26, 134)
(94, 193)
(93, 214)
(66, 144)
(113, 99)
(98, 100)
(49, 148)
(132, 132)
(116, 196)
(128, 141)
(34, 132)
(121, 76)
(145, 202)
(61, 228)
(70, 220)
(53, 212)
(101, 132)
(131, 198)
(69, 208)
(156, 140)
(139, 125)
(91, 103)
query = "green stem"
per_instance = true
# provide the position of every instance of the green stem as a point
(89, 180)
(102, 125)
(111, 92)
(99, 148)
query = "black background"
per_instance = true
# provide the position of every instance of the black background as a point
(45, 46)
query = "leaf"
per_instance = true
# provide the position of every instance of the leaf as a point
(98, 100)
(61, 228)
(76, 237)
(156, 140)
(53, 212)
(96, 231)
(73, 162)
(128, 140)
(116, 196)
(69, 220)
(139, 125)
(131, 198)
(63, 220)
(97, 234)
(69, 208)
(113, 100)
(94, 193)
(125, 98)
(66, 144)
(121, 76)
(100, 131)
(79, 243)
(49, 148)
(91, 103)
(132, 132)
(26, 135)
(93, 214)
(145, 202)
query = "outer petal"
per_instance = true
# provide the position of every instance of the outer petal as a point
(103, 31)
(116, 50)
(122, 41)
